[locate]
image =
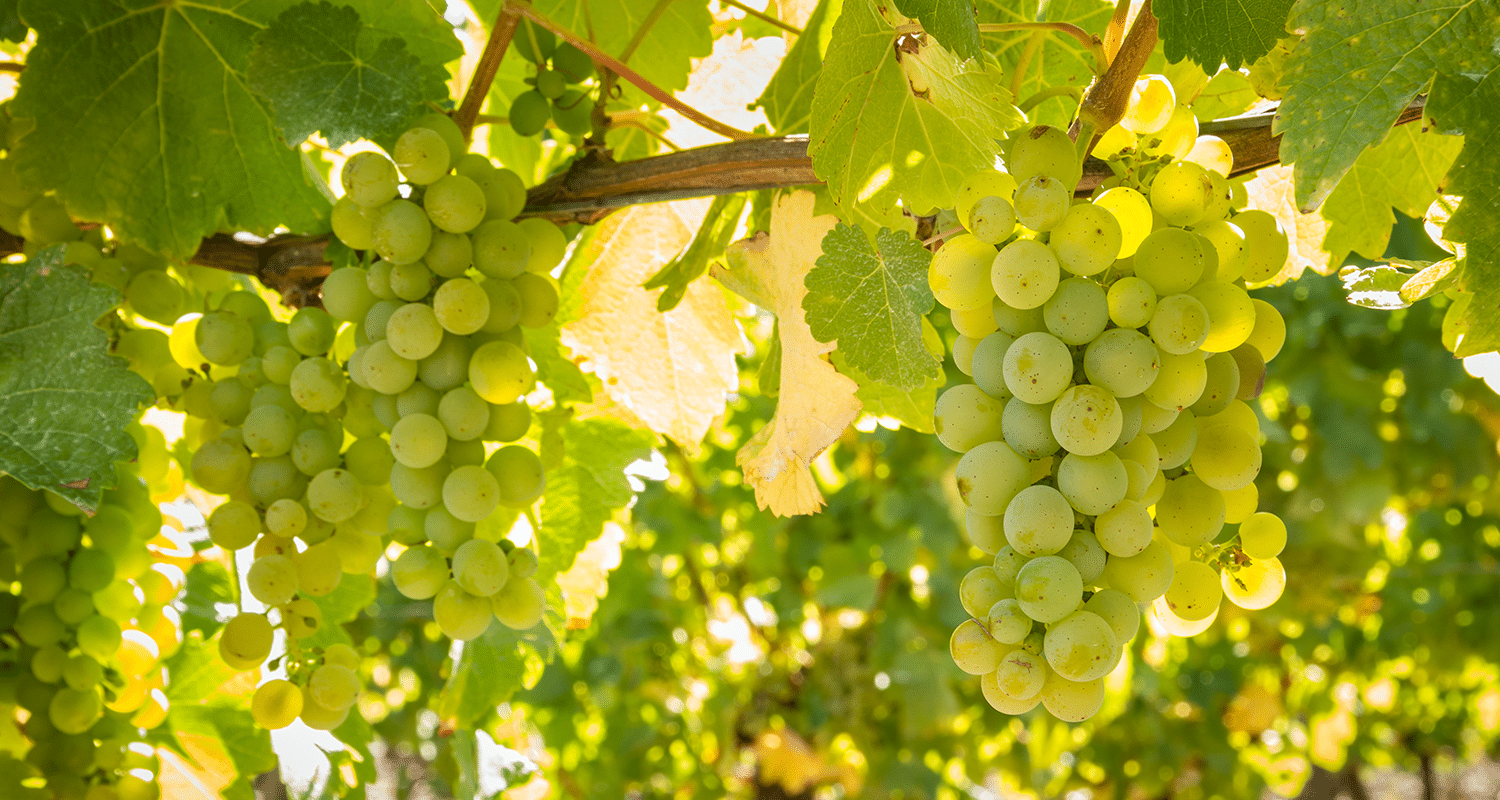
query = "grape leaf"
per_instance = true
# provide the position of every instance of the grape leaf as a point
(912, 409)
(815, 403)
(672, 370)
(64, 400)
(906, 123)
(951, 22)
(680, 32)
(144, 120)
(320, 68)
(225, 750)
(1234, 32)
(1226, 94)
(1471, 105)
(12, 29)
(787, 99)
(872, 303)
(1052, 59)
(342, 605)
(488, 672)
(1356, 68)
(588, 579)
(1403, 173)
(1376, 287)
(586, 489)
(208, 585)
(714, 234)
(553, 367)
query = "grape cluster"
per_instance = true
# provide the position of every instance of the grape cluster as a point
(86, 631)
(1106, 439)
(557, 94)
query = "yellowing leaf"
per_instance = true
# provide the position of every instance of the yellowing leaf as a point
(182, 779)
(787, 759)
(588, 579)
(815, 403)
(1272, 191)
(671, 370)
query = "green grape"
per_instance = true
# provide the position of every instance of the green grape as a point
(413, 332)
(41, 580)
(1092, 484)
(574, 112)
(1024, 274)
(358, 552)
(1122, 361)
(959, 272)
(985, 533)
(455, 204)
(1072, 701)
(369, 460)
(519, 474)
(1021, 674)
(1211, 153)
(48, 663)
(272, 479)
(505, 305)
(318, 717)
(419, 398)
(385, 371)
(72, 606)
(1179, 381)
(508, 422)
(1048, 588)
(529, 113)
(1144, 576)
(445, 531)
(271, 394)
(547, 241)
(501, 249)
(278, 363)
(1042, 203)
(1044, 150)
(1195, 591)
(1132, 302)
(449, 130)
(551, 84)
(334, 686)
(1255, 585)
(418, 440)
(1175, 443)
(993, 220)
(315, 451)
(1116, 608)
(963, 354)
(1181, 193)
(319, 568)
(462, 454)
(1038, 522)
(276, 704)
(1038, 367)
(461, 615)
(284, 518)
(979, 590)
(378, 281)
(539, 302)
(523, 563)
(91, 570)
(1007, 623)
(1220, 203)
(351, 225)
(418, 488)
(480, 567)
(504, 193)
(1132, 212)
(464, 414)
(318, 385)
(1018, 321)
(156, 296)
(973, 650)
(1086, 420)
(499, 372)
(1027, 428)
(1124, 530)
(369, 179)
(1078, 312)
(535, 43)
(979, 185)
(1231, 315)
(1269, 333)
(1221, 384)
(422, 155)
(1228, 244)
(1171, 260)
(1263, 535)
(1179, 325)
(519, 604)
(471, 493)
(334, 495)
(224, 338)
(401, 232)
(419, 572)
(246, 640)
(975, 323)
(1175, 139)
(1190, 512)
(46, 221)
(461, 306)
(411, 281)
(311, 331)
(247, 306)
(272, 579)
(378, 318)
(220, 466)
(1240, 505)
(73, 711)
(450, 254)
(989, 475)
(82, 672)
(573, 63)
(1000, 701)
(1087, 241)
(1086, 555)
(987, 364)
(1226, 458)
(98, 636)
(269, 430)
(1081, 647)
(965, 417)
(1151, 104)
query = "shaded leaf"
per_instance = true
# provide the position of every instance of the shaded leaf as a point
(1471, 105)
(951, 22)
(1051, 59)
(713, 235)
(788, 97)
(1401, 173)
(1212, 31)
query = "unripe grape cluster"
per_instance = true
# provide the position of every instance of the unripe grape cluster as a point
(1106, 437)
(557, 92)
(88, 619)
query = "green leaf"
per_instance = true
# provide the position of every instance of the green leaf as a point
(1401, 173)
(12, 29)
(197, 673)
(768, 377)
(144, 120)
(1354, 71)
(1228, 93)
(1051, 59)
(1471, 105)
(64, 400)
(912, 408)
(1375, 287)
(208, 585)
(873, 304)
(248, 745)
(1432, 279)
(427, 34)
(586, 489)
(713, 236)
(682, 30)
(787, 99)
(488, 672)
(343, 604)
(555, 369)
(322, 69)
(951, 22)
(908, 125)
(1234, 32)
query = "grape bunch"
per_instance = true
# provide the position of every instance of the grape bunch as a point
(437, 322)
(1106, 439)
(557, 93)
(88, 620)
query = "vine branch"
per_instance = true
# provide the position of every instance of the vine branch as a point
(489, 62)
(1105, 104)
(764, 17)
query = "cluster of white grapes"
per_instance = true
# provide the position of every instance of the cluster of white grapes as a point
(1105, 437)
(87, 619)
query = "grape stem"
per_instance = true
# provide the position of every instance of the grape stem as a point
(489, 62)
(1115, 31)
(610, 63)
(763, 16)
(1105, 103)
(1075, 92)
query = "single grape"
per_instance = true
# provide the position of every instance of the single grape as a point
(1078, 312)
(1175, 139)
(401, 232)
(318, 385)
(1092, 484)
(1081, 647)
(319, 568)
(520, 603)
(499, 372)
(1086, 420)
(1044, 150)
(1042, 202)
(1038, 367)
(551, 84)
(574, 112)
(1086, 555)
(965, 417)
(1255, 585)
(471, 493)
(245, 641)
(387, 372)
(959, 272)
(369, 179)
(973, 650)
(501, 249)
(1226, 458)
(1182, 193)
(461, 615)
(455, 204)
(1175, 443)
(1190, 512)
(1048, 588)
(1179, 325)
(1038, 521)
(978, 186)
(480, 567)
(1124, 530)
(276, 704)
(449, 255)
(220, 466)
(351, 225)
(989, 475)
(573, 63)
(539, 300)
(1150, 106)
(334, 495)
(1263, 536)
(1195, 591)
(1027, 428)
(449, 130)
(519, 475)
(1144, 576)
(411, 282)
(1007, 623)
(1171, 260)
(1000, 701)
(224, 338)
(1088, 240)
(422, 155)
(1179, 382)
(508, 422)
(418, 488)
(1132, 211)
(1122, 361)
(1072, 701)
(980, 589)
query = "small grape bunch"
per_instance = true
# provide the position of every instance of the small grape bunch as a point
(481, 581)
(558, 93)
(320, 688)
